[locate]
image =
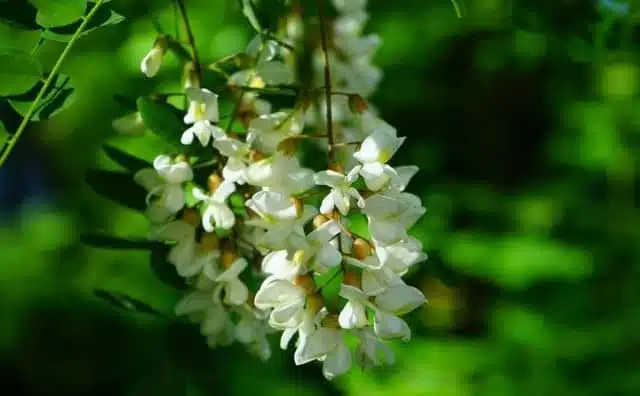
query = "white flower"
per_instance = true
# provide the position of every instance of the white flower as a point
(327, 345)
(266, 70)
(252, 330)
(376, 150)
(391, 214)
(184, 254)
(341, 191)
(217, 213)
(235, 291)
(238, 157)
(203, 114)
(317, 254)
(286, 299)
(152, 61)
(371, 351)
(164, 184)
(397, 300)
(269, 130)
(280, 173)
(401, 255)
(279, 217)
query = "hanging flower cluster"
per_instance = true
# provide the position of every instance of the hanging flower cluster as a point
(266, 220)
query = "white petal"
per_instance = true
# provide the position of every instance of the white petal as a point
(173, 198)
(327, 205)
(223, 191)
(286, 337)
(195, 301)
(223, 216)
(329, 178)
(148, 178)
(151, 63)
(337, 362)
(400, 299)
(236, 292)
(403, 176)
(327, 257)
(353, 315)
(278, 265)
(388, 326)
(187, 135)
(316, 345)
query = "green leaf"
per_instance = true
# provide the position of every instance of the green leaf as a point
(124, 159)
(126, 102)
(16, 39)
(162, 119)
(164, 270)
(58, 96)
(18, 72)
(102, 17)
(118, 187)
(128, 303)
(114, 242)
(249, 11)
(22, 17)
(53, 13)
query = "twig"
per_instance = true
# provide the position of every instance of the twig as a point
(327, 78)
(11, 142)
(190, 39)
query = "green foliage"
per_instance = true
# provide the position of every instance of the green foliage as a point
(56, 98)
(118, 187)
(102, 18)
(161, 118)
(53, 13)
(126, 302)
(18, 72)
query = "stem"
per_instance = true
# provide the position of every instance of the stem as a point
(456, 7)
(327, 78)
(190, 39)
(34, 105)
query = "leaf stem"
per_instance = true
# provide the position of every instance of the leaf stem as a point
(52, 75)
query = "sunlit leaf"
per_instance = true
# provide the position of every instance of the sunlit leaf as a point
(103, 17)
(161, 118)
(118, 187)
(18, 72)
(58, 13)
(58, 96)
(17, 39)
(115, 242)
(127, 302)
(4, 135)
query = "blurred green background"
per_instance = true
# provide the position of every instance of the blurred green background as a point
(524, 118)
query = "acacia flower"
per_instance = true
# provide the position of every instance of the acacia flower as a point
(202, 114)
(341, 191)
(217, 213)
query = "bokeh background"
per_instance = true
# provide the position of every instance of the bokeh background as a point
(525, 121)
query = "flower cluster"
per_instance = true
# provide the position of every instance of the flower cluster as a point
(265, 216)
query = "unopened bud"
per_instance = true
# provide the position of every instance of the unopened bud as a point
(336, 167)
(191, 78)
(255, 156)
(182, 158)
(152, 61)
(331, 321)
(360, 249)
(209, 242)
(289, 146)
(352, 279)
(191, 217)
(214, 181)
(228, 258)
(357, 104)
(305, 282)
(315, 302)
(319, 220)
(299, 206)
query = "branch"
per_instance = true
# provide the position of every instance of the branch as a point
(190, 39)
(327, 78)
(52, 75)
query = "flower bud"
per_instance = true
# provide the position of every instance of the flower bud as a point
(306, 282)
(299, 206)
(357, 104)
(191, 78)
(229, 256)
(289, 146)
(352, 279)
(255, 156)
(319, 220)
(191, 216)
(209, 242)
(315, 302)
(331, 321)
(153, 60)
(336, 167)
(213, 182)
(360, 249)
